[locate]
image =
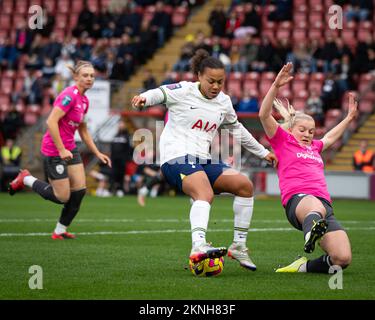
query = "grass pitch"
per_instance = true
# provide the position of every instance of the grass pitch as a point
(123, 251)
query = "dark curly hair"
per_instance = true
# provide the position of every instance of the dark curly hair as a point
(202, 60)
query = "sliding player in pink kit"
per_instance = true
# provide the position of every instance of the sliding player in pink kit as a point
(302, 183)
(62, 162)
(196, 111)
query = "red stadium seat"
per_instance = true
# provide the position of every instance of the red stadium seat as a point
(51, 5)
(301, 76)
(6, 85)
(7, 7)
(251, 81)
(77, 6)
(17, 19)
(282, 34)
(363, 34)
(317, 76)
(5, 21)
(61, 21)
(63, 6)
(284, 92)
(302, 94)
(178, 19)
(21, 7)
(234, 83)
(264, 86)
(315, 34)
(315, 16)
(366, 106)
(299, 104)
(299, 35)
(298, 85)
(315, 85)
(269, 75)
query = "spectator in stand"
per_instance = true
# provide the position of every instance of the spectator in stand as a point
(329, 54)
(162, 23)
(61, 64)
(248, 53)
(248, 103)
(234, 56)
(85, 21)
(300, 57)
(8, 54)
(283, 11)
(12, 123)
(314, 107)
(168, 79)
(344, 72)
(252, 18)
(363, 49)
(187, 52)
(121, 152)
(84, 48)
(33, 87)
(149, 81)
(48, 71)
(364, 158)
(52, 49)
(147, 42)
(360, 10)
(282, 49)
(265, 56)
(330, 93)
(10, 161)
(131, 19)
(217, 21)
(48, 24)
(314, 49)
(233, 22)
(102, 177)
(24, 37)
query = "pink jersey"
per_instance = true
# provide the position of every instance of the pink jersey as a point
(75, 107)
(300, 168)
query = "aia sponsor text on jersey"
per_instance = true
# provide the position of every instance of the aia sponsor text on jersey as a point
(201, 125)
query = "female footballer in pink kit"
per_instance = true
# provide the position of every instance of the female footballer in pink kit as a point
(62, 161)
(302, 183)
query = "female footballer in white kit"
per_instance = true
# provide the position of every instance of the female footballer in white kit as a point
(196, 111)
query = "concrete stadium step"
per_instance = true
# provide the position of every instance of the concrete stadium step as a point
(339, 168)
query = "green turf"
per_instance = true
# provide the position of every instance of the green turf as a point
(153, 265)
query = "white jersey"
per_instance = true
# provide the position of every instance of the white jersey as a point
(193, 121)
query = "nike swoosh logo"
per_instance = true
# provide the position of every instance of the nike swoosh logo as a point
(193, 108)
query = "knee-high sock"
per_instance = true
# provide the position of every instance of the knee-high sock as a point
(243, 212)
(45, 190)
(71, 208)
(199, 215)
(308, 222)
(319, 265)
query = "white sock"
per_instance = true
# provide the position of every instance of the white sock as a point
(302, 267)
(29, 181)
(143, 191)
(243, 212)
(60, 228)
(199, 215)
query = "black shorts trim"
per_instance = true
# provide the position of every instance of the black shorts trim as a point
(290, 211)
(55, 168)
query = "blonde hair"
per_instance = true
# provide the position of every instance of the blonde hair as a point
(79, 65)
(289, 114)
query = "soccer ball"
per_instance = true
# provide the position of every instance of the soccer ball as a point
(207, 267)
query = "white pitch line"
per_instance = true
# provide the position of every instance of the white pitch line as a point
(36, 234)
(161, 220)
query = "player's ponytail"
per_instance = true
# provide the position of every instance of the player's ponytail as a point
(289, 114)
(202, 60)
(79, 65)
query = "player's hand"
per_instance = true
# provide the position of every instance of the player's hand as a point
(353, 106)
(271, 158)
(138, 102)
(65, 155)
(105, 159)
(284, 75)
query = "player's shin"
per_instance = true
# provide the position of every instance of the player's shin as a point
(243, 212)
(71, 208)
(45, 190)
(199, 216)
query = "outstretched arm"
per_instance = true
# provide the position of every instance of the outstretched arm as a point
(265, 113)
(335, 133)
(148, 98)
